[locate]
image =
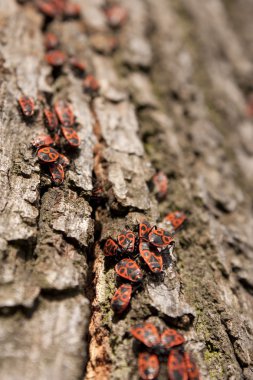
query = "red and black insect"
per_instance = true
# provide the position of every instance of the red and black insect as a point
(121, 298)
(170, 338)
(144, 229)
(27, 105)
(71, 136)
(148, 366)
(42, 140)
(176, 366)
(126, 240)
(168, 343)
(51, 119)
(147, 333)
(160, 238)
(63, 160)
(111, 248)
(129, 269)
(48, 154)
(126, 243)
(48, 8)
(71, 10)
(57, 173)
(51, 41)
(91, 85)
(65, 113)
(78, 66)
(59, 5)
(152, 243)
(157, 237)
(160, 182)
(55, 58)
(152, 259)
(116, 16)
(174, 220)
(192, 369)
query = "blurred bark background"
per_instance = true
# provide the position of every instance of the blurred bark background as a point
(174, 97)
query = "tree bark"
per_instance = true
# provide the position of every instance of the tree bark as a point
(173, 98)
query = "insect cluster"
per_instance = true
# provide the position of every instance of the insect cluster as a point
(155, 347)
(56, 58)
(140, 252)
(149, 246)
(58, 8)
(60, 121)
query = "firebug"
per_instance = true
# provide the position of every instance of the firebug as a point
(148, 366)
(174, 220)
(129, 270)
(78, 66)
(51, 41)
(192, 370)
(55, 58)
(121, 298)
(160, 182)
(116, 15)
(160, 238)
(91, 85)
(50, 119)
(27, 105)
(63, 160)
(57, 173)
(126, 240)
(71, 136)
(48, 154)
(65, 113)
(176, 366)
(42, 140)
(147, 333)
(152, 259)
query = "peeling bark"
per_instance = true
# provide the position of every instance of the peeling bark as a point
(173, 98)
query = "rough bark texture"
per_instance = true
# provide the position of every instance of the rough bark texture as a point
(173, 97)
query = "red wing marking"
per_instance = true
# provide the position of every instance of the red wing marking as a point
(171, 338)
(127, 240)
(27, 105)
(65, 113)
(116, 15)
(121, 298)
(144, 229)
(63, 160)
(90, 85)
(176, 218)
(43, 140)
(176, 366)
(160, 238)
(148, 366)
(57, 173)
(128, 269)
(161, 184)
(51, 119)
(51, 41)
(192, 370)
(153, 260)
(147, 333)
(48, 154)
(110, 248)
(55, 58)
(71, 136)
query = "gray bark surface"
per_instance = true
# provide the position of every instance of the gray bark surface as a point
(173, 98)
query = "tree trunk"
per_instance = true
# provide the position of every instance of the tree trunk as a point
(173, 98)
